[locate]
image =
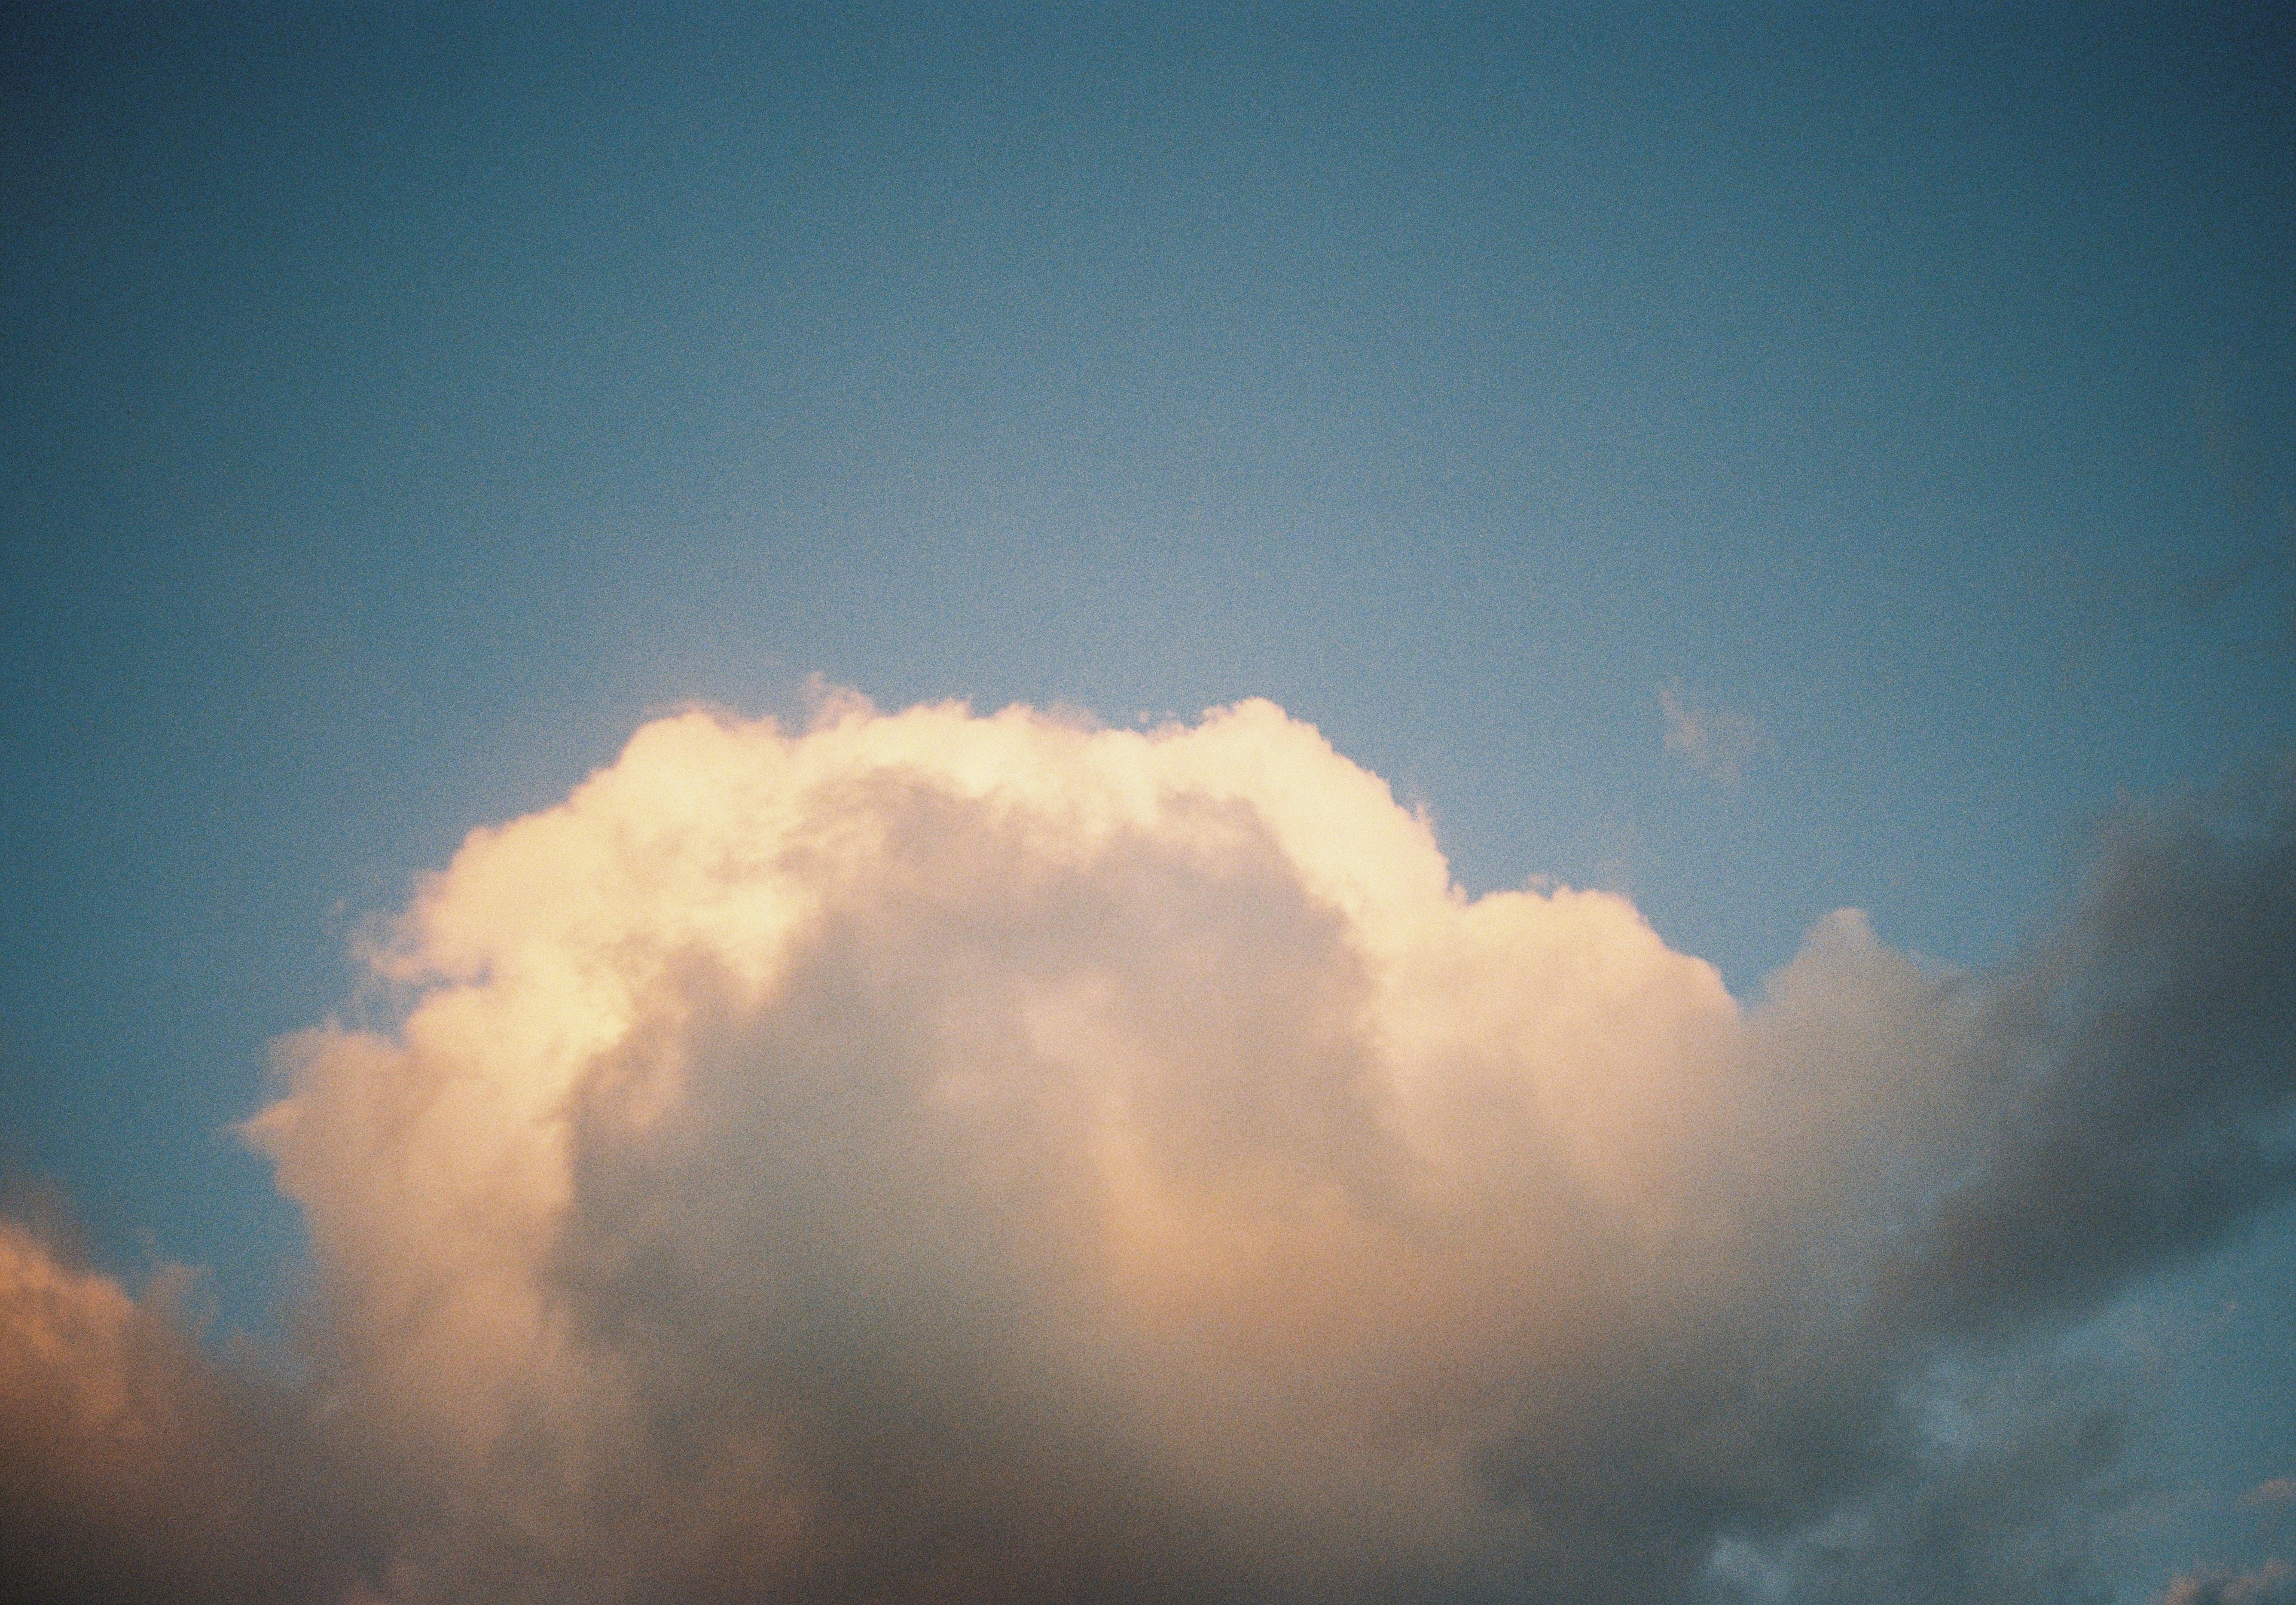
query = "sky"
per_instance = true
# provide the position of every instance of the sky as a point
(1663, 647)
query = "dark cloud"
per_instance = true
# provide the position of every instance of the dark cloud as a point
(2143, 1063)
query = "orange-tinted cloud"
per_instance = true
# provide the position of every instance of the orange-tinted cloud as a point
(131, 1467)
(935, 1156)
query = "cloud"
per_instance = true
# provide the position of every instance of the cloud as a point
(1713, 740)
(2273, 1583)
(2144, 1056)
(131, 1467)
(931, 1155)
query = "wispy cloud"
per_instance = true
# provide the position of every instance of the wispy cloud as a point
(2273, 1583)
(1715, 741)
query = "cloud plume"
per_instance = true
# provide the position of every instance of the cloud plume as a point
(931, 1155)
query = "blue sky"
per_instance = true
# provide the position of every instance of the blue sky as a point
(404, 404)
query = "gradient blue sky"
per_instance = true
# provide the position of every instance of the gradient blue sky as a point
(401, 403)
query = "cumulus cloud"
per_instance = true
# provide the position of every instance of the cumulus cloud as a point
(931, 1155)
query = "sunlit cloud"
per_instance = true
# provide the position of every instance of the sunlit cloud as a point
(930, 1155)
(132, 1467)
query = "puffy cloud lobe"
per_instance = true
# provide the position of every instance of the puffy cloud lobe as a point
(933, 1156)
(131, 1468)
